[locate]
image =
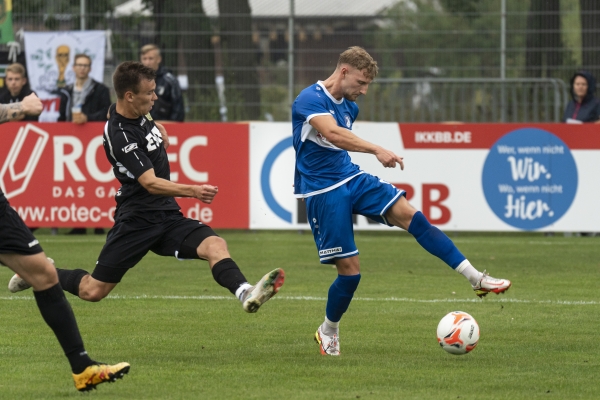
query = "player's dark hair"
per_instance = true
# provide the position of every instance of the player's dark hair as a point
(128, 75)
(358, 58)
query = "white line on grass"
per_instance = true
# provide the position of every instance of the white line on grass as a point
(313, 298)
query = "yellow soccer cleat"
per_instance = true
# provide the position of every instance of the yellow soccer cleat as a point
(99, 373)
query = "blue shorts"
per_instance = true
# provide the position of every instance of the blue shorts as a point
(330, 213)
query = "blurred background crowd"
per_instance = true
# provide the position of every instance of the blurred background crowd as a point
(440, 60)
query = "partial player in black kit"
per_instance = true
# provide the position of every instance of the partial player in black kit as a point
(22, 253)
(147, 217)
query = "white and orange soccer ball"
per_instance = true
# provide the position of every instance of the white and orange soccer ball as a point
(458, 333)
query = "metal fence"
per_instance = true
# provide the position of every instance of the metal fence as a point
(465, 100)
(241, 50)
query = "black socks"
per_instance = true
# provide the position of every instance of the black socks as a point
(70, 279)
(57, 313)
(227, 274)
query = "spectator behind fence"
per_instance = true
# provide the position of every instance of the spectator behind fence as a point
(16, 88)
(85, 100)
(169, 106)
(584, 107)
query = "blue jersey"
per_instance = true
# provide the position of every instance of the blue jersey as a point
(320, 166)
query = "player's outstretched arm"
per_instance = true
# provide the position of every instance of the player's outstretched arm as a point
(162, 187)
(31, 105)
(345, 139)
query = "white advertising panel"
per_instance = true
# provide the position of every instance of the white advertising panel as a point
(468, 177)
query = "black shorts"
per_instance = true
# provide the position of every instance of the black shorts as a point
(163, 233)
(15, 236)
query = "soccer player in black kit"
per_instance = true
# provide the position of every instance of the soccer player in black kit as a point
(22, 253)
(147, 217)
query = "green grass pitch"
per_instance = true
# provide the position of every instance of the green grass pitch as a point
(188, 338)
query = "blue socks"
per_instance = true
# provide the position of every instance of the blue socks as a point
(340, 294)
(435, 241)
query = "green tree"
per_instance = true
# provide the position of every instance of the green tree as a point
(469, 8)
(43, 13)
(239, 60)
(461, 43)
(590, 35)
(183, 29)
(544, 45)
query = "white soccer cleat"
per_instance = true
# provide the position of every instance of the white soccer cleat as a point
(329, 345)
(266, 288)
(18, 284)
(488, 284)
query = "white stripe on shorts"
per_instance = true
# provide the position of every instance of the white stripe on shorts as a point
(392, 201)
(339, 255)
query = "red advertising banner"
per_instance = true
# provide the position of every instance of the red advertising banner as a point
(57, 174)
(483, 136)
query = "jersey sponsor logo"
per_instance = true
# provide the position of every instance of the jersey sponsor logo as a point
(348, 121)
(330, 251)
(130, 147)
(31, 244)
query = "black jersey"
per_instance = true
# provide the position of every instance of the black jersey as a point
(3, 201)
(133, 146)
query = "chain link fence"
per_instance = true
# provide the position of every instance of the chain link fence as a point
(464, 60)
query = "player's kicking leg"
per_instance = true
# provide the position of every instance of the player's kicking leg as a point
(204, 243)
(403, 215)
(227, 274)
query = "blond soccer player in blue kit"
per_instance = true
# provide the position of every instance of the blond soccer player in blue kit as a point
(334, 188)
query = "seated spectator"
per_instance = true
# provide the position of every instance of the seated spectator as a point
(85, 100)
(584, 107)
(169, 105)
(16, 88)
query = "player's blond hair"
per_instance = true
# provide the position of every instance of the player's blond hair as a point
(358, 58)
